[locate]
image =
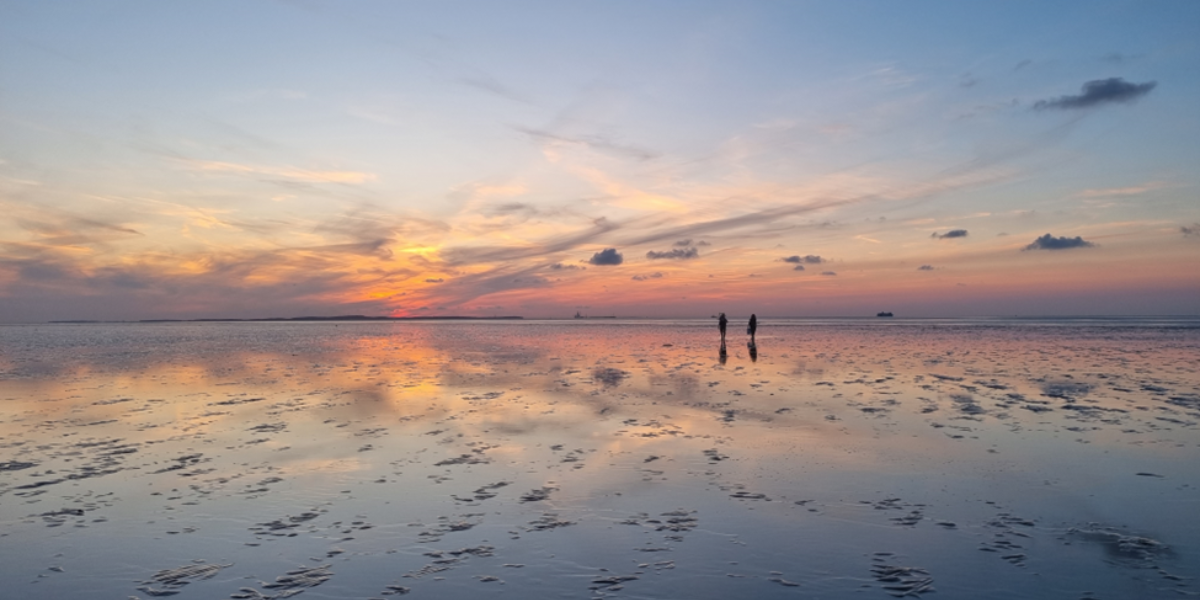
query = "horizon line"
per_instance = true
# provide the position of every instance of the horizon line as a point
(371, 318)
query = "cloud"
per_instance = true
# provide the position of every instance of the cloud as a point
(676, 254)
(1118, 58)
(654, 275)
(768, 216)
(246, 283)
(829, 273)
(287, 173)
(1193, 231)
(953, 233)
(607, 256)
(487, 83)
(1049, 242)
(593, 142)
(811, 259)
(367, 223)
(1097, 92)
(485, 254)
(432, 280)
(465, 288)
(925, 268)
(566, 267)
(798, 268)
(341, 263)
(683, 243)
(61, 229)
(1121, 191)
(510, 208)
(531, 281)
(377, 248)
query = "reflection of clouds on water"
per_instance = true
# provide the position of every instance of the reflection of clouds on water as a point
(411, 423)
(1064, 389)
(609, 377)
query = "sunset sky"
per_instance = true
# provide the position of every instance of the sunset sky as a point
(657, 159)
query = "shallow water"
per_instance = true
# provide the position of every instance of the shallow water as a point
(853, 458)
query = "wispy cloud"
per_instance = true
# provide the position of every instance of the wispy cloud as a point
(459, 255)
(287, 173)
(598, 143)
(674, 254)
(244, 282)
(1133, 190)
(487, 83)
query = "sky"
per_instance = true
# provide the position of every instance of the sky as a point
(242, 159)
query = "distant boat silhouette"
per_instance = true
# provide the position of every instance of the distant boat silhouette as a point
(884, 314)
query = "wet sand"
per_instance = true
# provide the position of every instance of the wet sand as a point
(987, 459)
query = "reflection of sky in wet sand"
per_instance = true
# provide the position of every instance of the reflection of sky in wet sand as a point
(617, 459)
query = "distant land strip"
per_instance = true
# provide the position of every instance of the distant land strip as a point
(337, 318)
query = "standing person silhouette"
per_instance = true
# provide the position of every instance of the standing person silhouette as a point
(753, 327)
(721, 323)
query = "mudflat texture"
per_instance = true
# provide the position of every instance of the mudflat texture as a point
(622, 459)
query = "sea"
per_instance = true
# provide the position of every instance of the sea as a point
(601, 458)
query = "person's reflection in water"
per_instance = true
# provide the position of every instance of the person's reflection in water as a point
(723, 355)
(753, 351)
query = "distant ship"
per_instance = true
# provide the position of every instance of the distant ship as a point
(884, 314)
(579, 316)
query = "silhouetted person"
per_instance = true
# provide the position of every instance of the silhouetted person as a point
(753, 327)
(721, 323)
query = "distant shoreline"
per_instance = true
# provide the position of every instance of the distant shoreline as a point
(337, 318)
(772, 320)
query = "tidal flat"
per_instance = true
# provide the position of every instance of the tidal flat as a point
(601, 459)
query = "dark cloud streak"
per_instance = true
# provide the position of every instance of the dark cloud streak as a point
(761, 217)
(674, 254)
(953, 233)
(1049, 242)
(594, 142)
(811, 259)
(1098, 92)
(485, 254)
